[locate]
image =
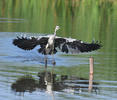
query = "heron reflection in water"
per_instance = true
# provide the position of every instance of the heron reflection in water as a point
(49, 82)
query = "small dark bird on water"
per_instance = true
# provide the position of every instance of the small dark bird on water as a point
(51, 44)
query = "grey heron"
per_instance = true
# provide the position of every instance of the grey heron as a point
(51, 44)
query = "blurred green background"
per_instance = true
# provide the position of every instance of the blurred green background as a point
(84, 19)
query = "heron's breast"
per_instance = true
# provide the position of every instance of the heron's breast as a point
(51, 41)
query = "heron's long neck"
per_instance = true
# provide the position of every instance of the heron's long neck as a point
(55, 32)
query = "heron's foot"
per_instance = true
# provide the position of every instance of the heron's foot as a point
(53, 62)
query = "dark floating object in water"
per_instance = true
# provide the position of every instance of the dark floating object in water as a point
(52, 43)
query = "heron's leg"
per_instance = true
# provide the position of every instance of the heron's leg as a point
(46, 61)
(53, 62)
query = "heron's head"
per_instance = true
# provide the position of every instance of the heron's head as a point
(57, 28)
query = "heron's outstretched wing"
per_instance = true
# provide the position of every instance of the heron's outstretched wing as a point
(75, 46)
(78, 46)
(64, 44)
(28, 43)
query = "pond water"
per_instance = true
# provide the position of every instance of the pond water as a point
(22, 73)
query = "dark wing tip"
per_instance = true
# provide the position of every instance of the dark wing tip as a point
(25, 43)
(88, 47)
(96, 45)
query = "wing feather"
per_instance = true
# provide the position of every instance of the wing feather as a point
(78, 46)
(29, 43)
(69, 45)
